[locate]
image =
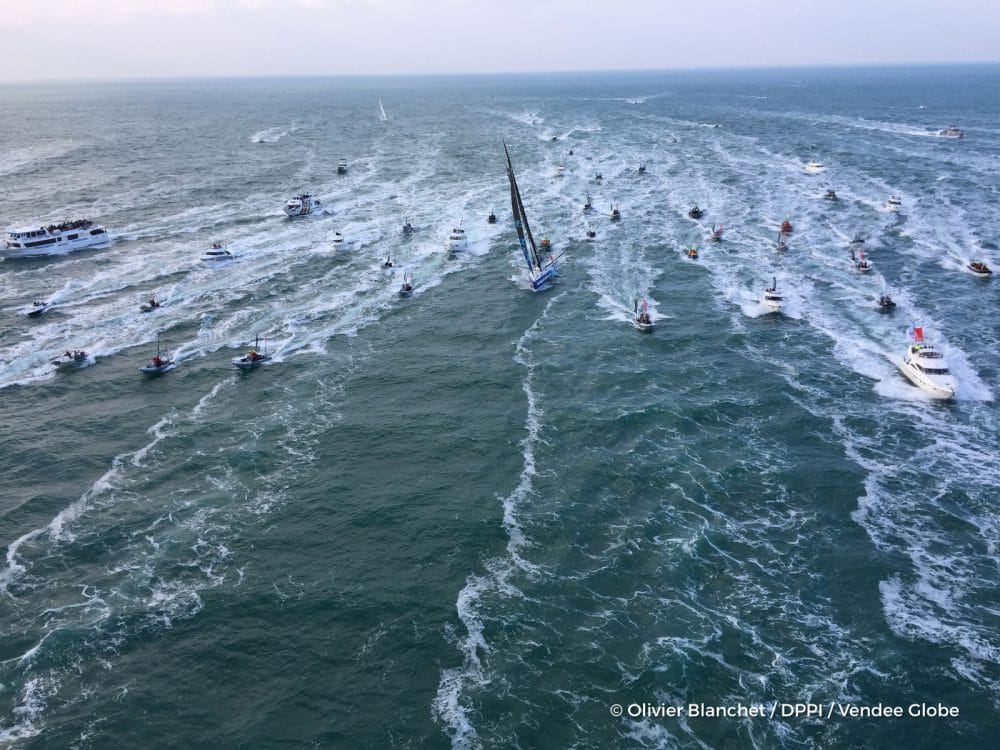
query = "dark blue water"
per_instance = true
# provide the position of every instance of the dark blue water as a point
(483, 517)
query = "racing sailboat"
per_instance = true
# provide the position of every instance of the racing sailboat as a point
(381, 111)
(540, 274)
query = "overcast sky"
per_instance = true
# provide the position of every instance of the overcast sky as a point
(71, 39)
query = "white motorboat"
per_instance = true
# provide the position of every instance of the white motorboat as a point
(302, 205)
(38, 309)
(217, 255)
(977, 267)
(641, 319)
(716, 233)
(951, 132)
(814, 167)
(342, 166)
(54, 239)
(457, 239)
(560, 170)
(894, 203)
(861, 263)
(254, 357)
(926, 367)
(338, 241)
(772, 299)
(161, 362)
(70, 360)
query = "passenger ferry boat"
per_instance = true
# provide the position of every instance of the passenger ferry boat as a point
(54, 239)
(302, 205)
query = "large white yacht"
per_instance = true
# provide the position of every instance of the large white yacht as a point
(217, 255)
(814, 167)
(925, 366)
(54, 239)
(302, 205)
(457, 239)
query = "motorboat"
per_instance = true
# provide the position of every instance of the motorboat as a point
(389, 262)
(782, 244)
(38, 309)
(641, 319)
(591, 233)
(857, 241)
(861, 263)
(302, 205)
(54, 239)
(951, 132)
(692, 252)
(149, 305)
(696, 213)
(406, 289)
(716, 233)
(457, 239)
(492, 218)
(925, 366)
(642, 169)
(786, 227)
(342, 166)
(589, 205)
(560, 170)
(408, 228)
(254, 357)
(70, 359)
(160, 362)
(814, 167)
(217, 255)
(616, 215)
(976, 266)
(885, 302)
(598, 177)
(338, 241)
(830, 195)
(894, 203)
(772, 299)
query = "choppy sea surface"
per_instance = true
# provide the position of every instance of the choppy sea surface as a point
(482, 517)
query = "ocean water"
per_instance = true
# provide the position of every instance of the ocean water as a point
(482, 517)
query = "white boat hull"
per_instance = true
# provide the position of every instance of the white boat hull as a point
(60, 246)
(941, 390)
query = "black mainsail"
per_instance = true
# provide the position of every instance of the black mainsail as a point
(540, 275)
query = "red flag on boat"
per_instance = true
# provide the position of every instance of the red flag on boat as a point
(918, 333)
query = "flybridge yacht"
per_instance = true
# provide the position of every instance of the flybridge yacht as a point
(302, 205)
(54, 239)
(925, 366)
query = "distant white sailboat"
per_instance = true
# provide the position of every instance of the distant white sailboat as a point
(381, 111)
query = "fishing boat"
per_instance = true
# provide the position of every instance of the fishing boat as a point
(38, 309)
(716, 234)
(161, 362)
(381, 111)
(885, 303)
(541, 274)
(925, 366)
(951, 132)
(641, 319)
(492, 218)
(894, 203)
(861, 263)
(406, 290)
(616, 215)
(217, 255)
(254, 357)
(342, 166)
(591, 233)
(589, 205)
(830, 195)
(692, 252)
(786, 227)
(782, 244)
(696, 213)
(338, 242)
(54, 239)
(70, 360)
(457, 239)
(976, 266)
(301, 205)
(389, 262)
(772, 299)
(149, 306)
(814, 167)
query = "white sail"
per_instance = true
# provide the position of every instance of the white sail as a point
(381, 110)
